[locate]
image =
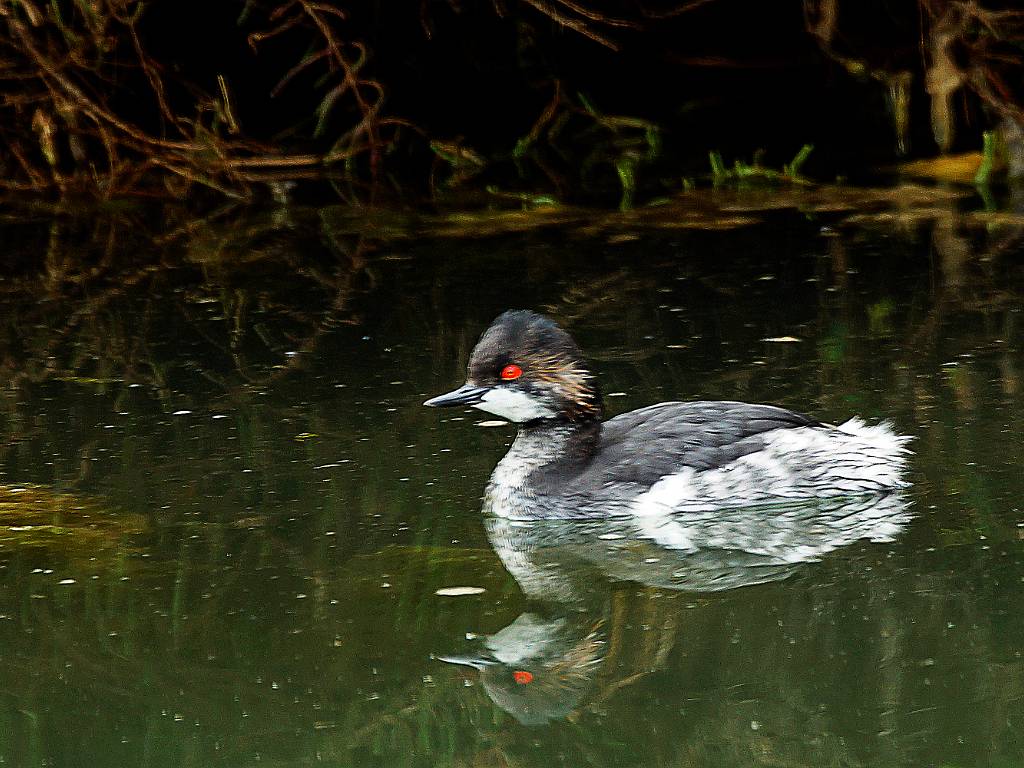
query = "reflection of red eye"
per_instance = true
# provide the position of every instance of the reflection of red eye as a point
(522, 677)
(510, 372)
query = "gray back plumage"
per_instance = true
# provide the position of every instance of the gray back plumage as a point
(640, 447)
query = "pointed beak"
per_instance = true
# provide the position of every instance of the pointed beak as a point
(467, 394)
(467, 661)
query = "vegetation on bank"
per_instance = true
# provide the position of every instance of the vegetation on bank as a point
(550, 98)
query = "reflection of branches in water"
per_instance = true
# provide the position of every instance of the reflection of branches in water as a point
(703, 670)
(629, 658)
(870, 624)
(971, 277)
(104, 322)
(617, 301)
(971, 274)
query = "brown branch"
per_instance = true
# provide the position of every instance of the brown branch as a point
(49, 71)
(150, 70)
(37, 178)
(693, 5)
(578, 26)
(291, 73)
(587, 13)
(258, 37)
(65, 71)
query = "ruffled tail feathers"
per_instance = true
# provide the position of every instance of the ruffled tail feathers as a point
(889, 450)
(883, 435)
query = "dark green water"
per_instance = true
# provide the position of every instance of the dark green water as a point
(225, 517)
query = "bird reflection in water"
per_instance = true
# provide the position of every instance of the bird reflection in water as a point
(546, 664)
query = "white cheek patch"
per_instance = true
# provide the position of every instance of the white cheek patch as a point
(514, 405)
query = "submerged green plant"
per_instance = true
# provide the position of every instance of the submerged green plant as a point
(625, 166)
(991, 149)
(463, 162)
(792, 169)
(528, 199)
(626, 147)
(755, 171)
(567, 125)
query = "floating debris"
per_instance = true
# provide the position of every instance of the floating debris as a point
(492, 423)
(35, 516)
(459, 591)
(782, 339)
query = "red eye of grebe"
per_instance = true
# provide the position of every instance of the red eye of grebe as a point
(522, 677)
(510, 372)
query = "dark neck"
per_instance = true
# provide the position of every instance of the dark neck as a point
(595, 409)
(580, 418)
(585, 404)
(567, 439)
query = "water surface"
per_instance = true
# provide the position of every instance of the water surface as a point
(225, 517)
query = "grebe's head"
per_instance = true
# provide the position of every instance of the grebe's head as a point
(539, 669)
(527, 369)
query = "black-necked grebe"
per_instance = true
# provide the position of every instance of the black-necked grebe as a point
(565, 462)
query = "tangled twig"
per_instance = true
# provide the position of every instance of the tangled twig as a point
(66, 70)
